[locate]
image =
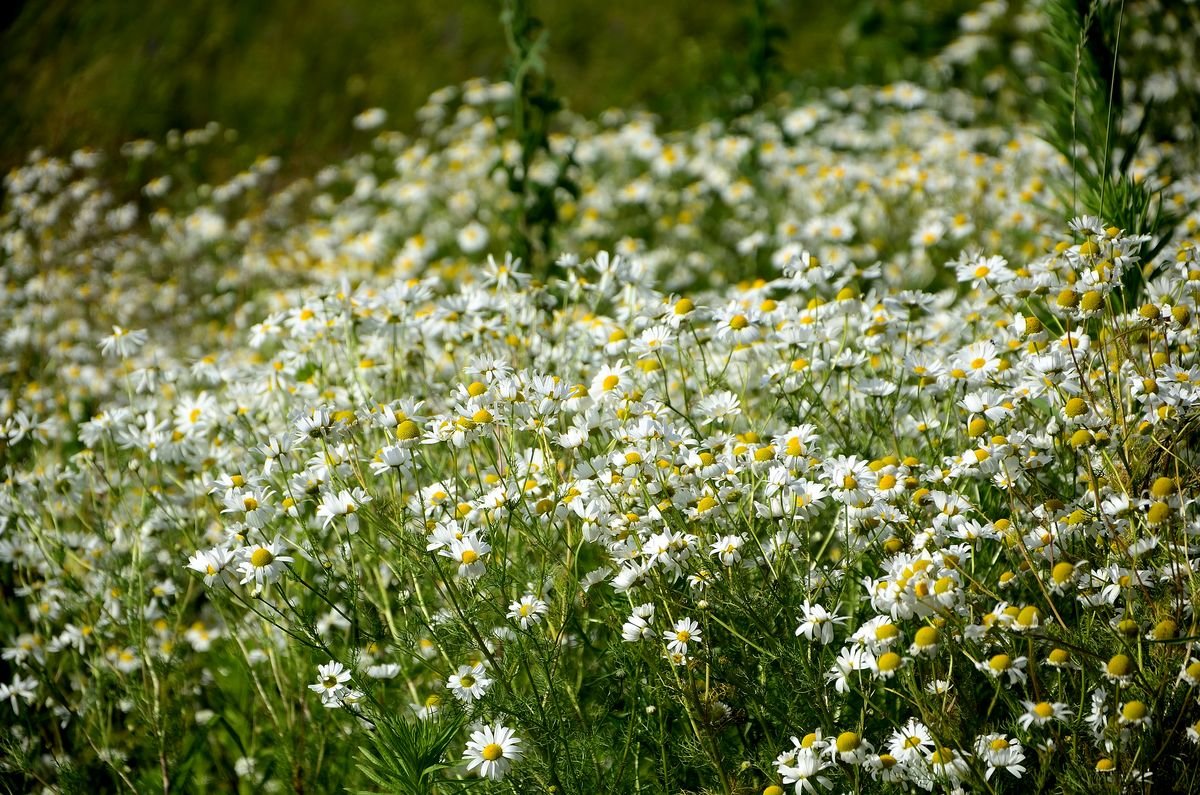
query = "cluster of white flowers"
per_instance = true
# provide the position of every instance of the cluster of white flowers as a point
(931, 434)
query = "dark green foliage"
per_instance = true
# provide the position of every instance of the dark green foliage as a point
(406, 756)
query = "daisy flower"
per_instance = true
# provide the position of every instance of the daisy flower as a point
(262, 564)
(1134, 713)
(429, 707)
(345, 503)
(211, 562)
(911, 742)
(1042, 712)
(728, 549)
(654, 341)
(887, 664)
(331, 683)
(492, 750)
(472, 237)
(469, 683)
(123, 342)
(718, 407)
(850, 660)
(817, 623)
(637, 627)
(527, 611)
(684, 632)
(1119, 669)
(1193, 733)
(1000, 753)
(1190, 675)
(1002, 665)
(20, 688)
(806, 769)
(468, 551)
(947, 766)
(851, 748)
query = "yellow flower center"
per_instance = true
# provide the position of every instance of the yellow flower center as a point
(261, 557)
(492, 752)
(926, 636)
(1162, 488)
(847, 742)
(1134, 711)
(942, 756)
(1119, 665)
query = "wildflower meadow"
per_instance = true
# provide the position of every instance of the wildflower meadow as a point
(845, 441)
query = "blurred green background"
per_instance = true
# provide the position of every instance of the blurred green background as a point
(290, 74)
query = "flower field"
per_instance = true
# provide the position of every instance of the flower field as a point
(846, 444)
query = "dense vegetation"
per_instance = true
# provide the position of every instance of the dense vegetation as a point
(843, 439)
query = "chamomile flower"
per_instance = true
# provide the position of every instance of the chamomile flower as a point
(1134, 713)
(473, 237)
(469, 683)
(719, 407)
(331, 683)
(1189, 675)
(19, 689)
(638, 625)
(527, 611)
(684, 632)
(492, 750)
(344, 503)
(817, 624)
(262, 564)
(805, 772)
(728, 549)
(910, 742)
(123, 342)
(1041, 713)
(468, 551)
(212, 563)
(1006, 666)
(1000, 752)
